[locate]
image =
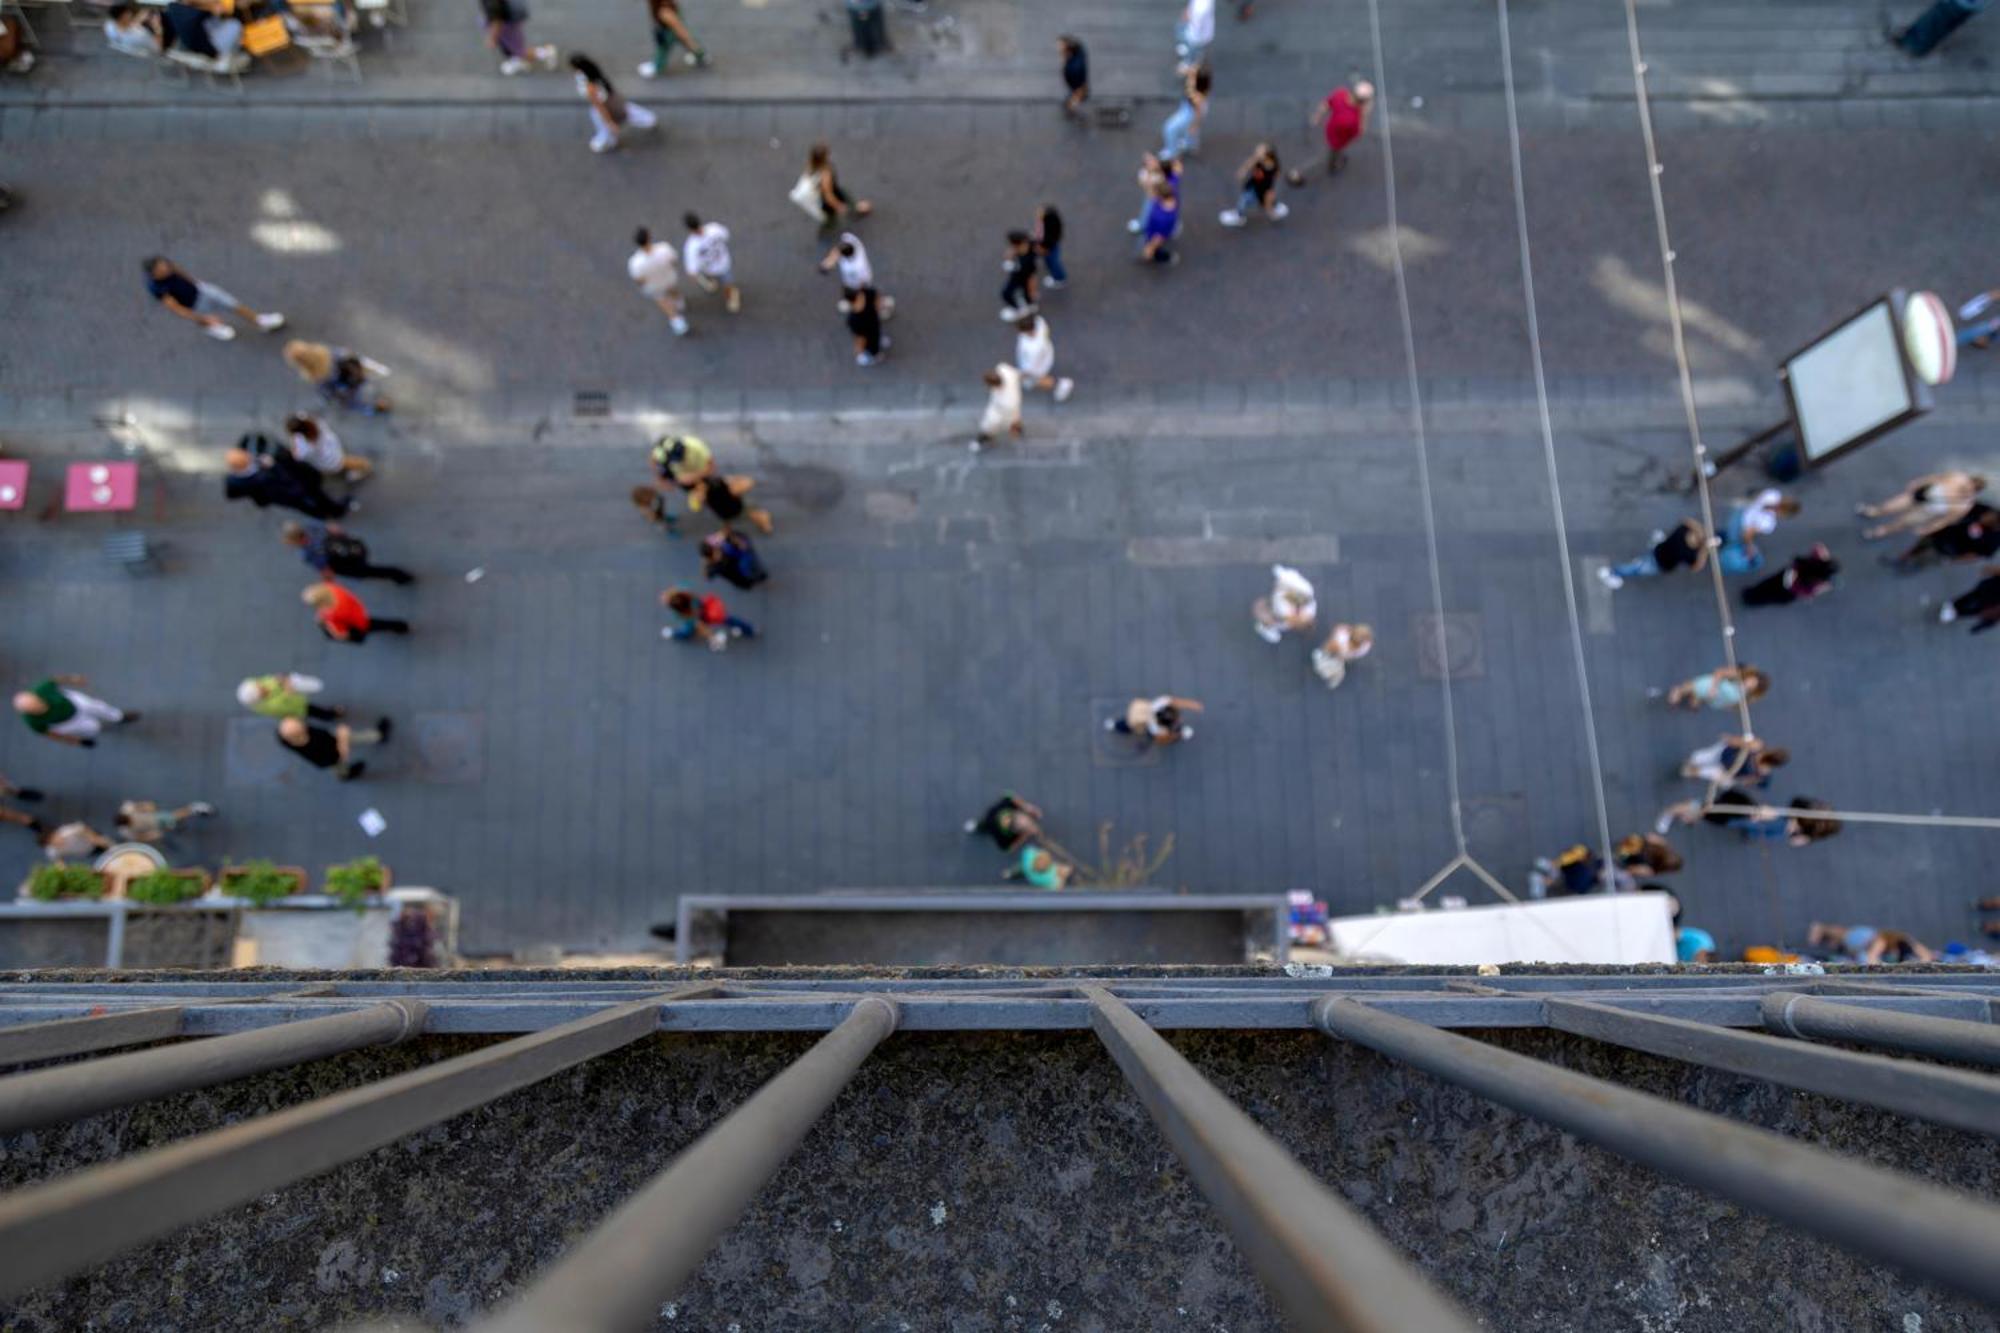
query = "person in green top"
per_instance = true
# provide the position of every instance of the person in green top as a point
(283, 695)
(1041, 869)
(59, 709)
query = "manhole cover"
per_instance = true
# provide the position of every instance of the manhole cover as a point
(1460, 656)
(451, 747)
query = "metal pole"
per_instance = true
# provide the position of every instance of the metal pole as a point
(1944, 1096)
(95, 1032)
(53, 1231)
(1919, 1225)
(1325, 1265)
(71, 1092)
(1794, 1015)
(616, 1277)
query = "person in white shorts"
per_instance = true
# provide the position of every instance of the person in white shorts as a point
(1003, 406)
(656, 268)
(1035, 354)
(705, 254)
(58, 708)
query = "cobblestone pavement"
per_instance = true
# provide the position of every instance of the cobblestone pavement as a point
(940, 627)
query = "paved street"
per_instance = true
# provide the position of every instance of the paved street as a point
(938, 627)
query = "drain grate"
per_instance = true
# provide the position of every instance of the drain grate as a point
(591, 403)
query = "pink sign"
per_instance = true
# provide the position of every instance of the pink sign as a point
(100, 488)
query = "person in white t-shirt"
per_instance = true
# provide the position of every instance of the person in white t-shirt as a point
(705, 254)
(1035, 354)
(856, 273)
(1003, 406)
(656, 268)
(1758, 517)
(1197, 31)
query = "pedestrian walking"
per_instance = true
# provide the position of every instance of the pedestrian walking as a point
(72, 842)
(202, 303)
(1035, 354)
(1010, 821)
(705, 254)
(1041, 868)
(1928, 503)
(1180, 136)
(1075, 73)
(864, 325)
(343, 377)
(1341, 118)
(209, 29)
(1932, 26)
(670, 28)
(728, 555)
(283, 694)
(343, 618)
(1154, 172)
(1573, 872)
(703, 614)
(315, 445)
(1756, 517)
(1973, 537)
(1686, 547)
(332, 748)
(1805, 578)
(1258, 177)
(1724, 687)
(1981, 604)
(655, 266)
(1736, 760)
(267, 479)
(1018, 262)
(1158, 225)
(144, 821)
(1157, 721)
(1290, 605)
(1644, 855)
(504, 34)
(8, 815)
(330, 549)
(849, 257)
(1344, 645)
(682, 461)
(722, 496)
(57, 707)
(1866, 944)
(1003, 406)
(1048, 234)
(1194, 35)
(818, 191)
(1798, 823)
(611, 112)
(650, 502)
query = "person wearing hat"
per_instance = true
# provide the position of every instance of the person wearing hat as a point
(1343, 115)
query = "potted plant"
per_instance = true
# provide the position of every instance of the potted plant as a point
(166, 886)
(48, 883)
(261, 882)
(356, 881)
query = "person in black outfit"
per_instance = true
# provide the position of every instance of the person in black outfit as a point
(1075, 73)
(331, 749)
(1974, 537)
(1686, 547)
(1010, 821)
(330, 549)
(1017, 294)
(268, 478)
(864, 321)
(1048, 244)
(1982, 604)
(1805, 578)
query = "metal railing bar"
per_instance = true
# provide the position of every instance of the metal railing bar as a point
(1791, 1014)
(1860, 988)
(51, 1231)
(1468, 987)
(1925, 1228)
(51, 1039)
(1321, 1260)
(73, 1091)
(1943, 1096)
(618, 1275)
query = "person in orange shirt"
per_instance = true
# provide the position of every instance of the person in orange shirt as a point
(342, 617)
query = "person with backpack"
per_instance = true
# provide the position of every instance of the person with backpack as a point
(331, 549)
(503, 20)
(728, 555)
(610, 112)
(704, 615)
(258, 473)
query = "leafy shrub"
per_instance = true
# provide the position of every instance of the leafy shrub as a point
(50, 882)
(163, 886)
(261, 882)
(353, 882)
